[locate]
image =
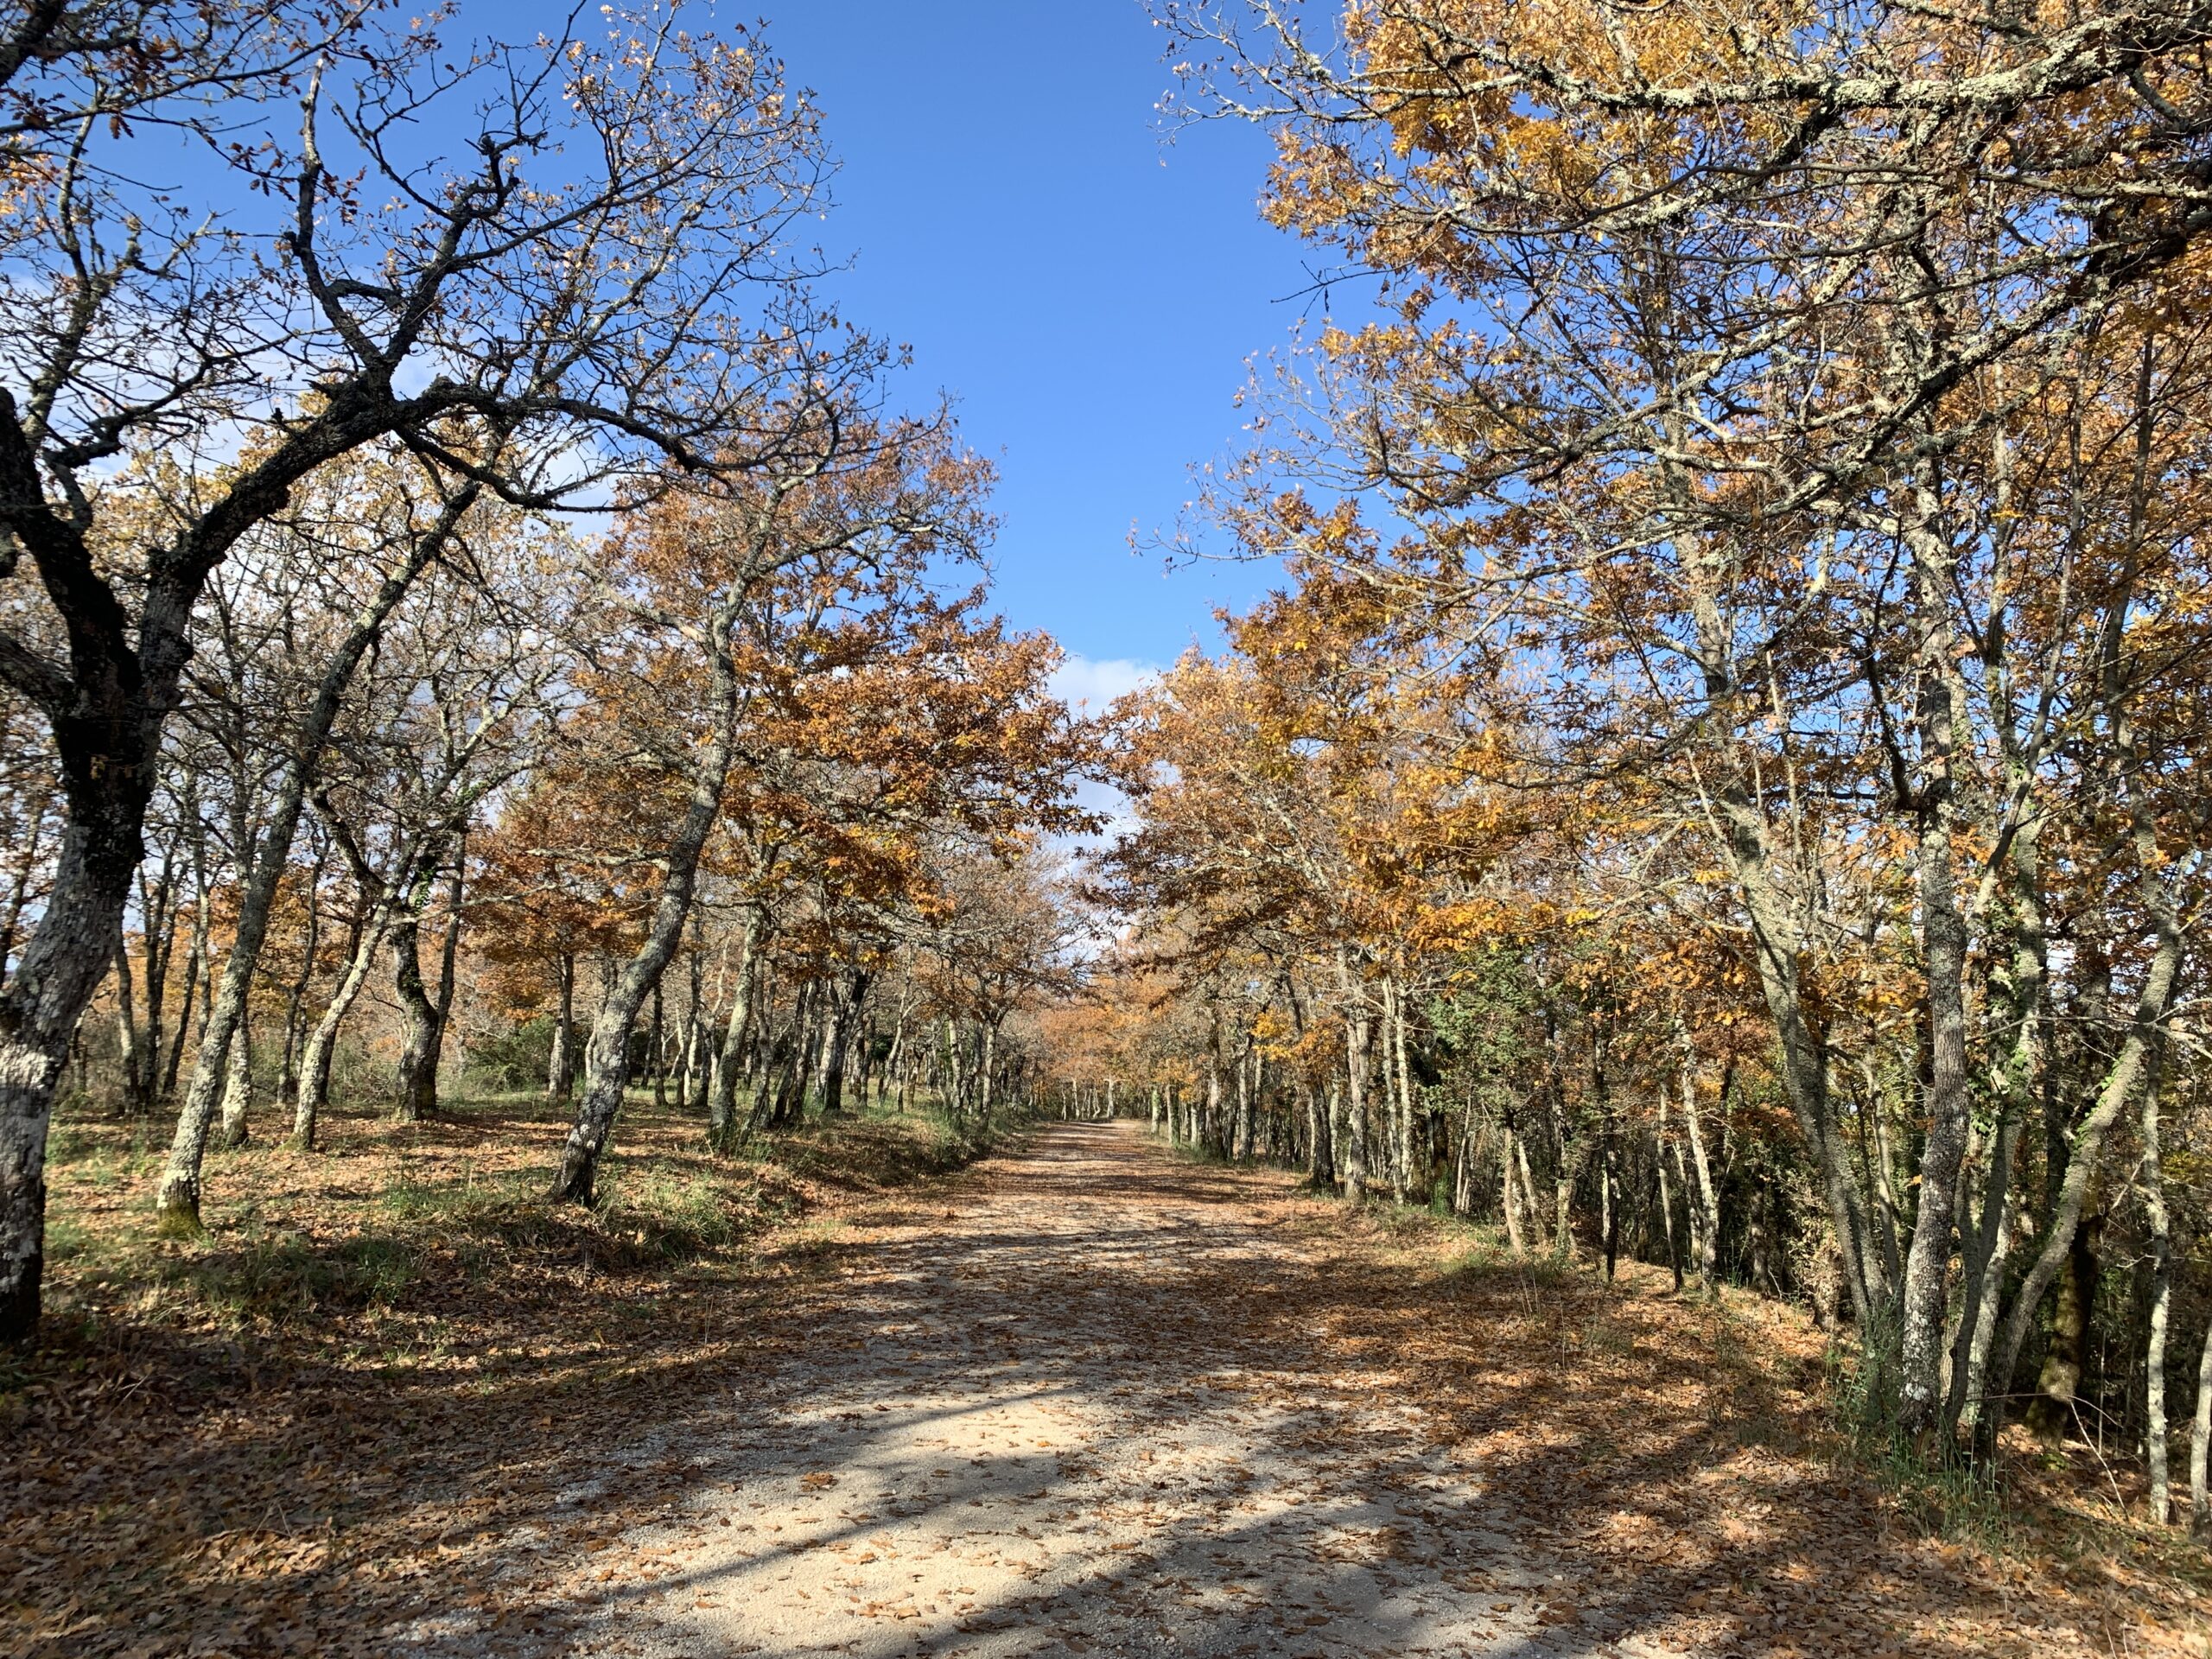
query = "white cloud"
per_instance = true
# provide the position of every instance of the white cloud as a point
(1091, 683)
(1110, 803)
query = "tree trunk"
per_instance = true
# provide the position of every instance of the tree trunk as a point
(1240, 1127)
(323, 1044)
(1693, 1211)
(1992, 1244)
(2051, 1412)
(984, 1068)
(1352, 1143)
(864, 1053)
(416, 1091)
(295, 1002)
(561, 1062)
(157, 909)
(1320, 1130)
(2117, 1089)
(952, 1068)
(196, 963)
(721, 1113)
(894, 1060)
(843, 1013)
(1709, 1199)
(1665, 1195)
(1402, 1149)
(129, 1061)
(687, 1076)
(785, 1091)
(1534, 1206)
(448, 956)
(238, 1090)
(1562, 1184)
(1321, 1151)
(1924, 1296)
(2162, 1294)
(1777, 953)
(1609, 1208)
(2200, 1443)
(1510, 1199)
(1213, 1079)
(606, 1059)
(687, 1061)
(175, 1061)
(2017, 995)
(763, 1049)
(61, 968)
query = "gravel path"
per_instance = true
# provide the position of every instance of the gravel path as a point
(1068, 1410)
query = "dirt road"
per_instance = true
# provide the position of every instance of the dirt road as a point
(1061, 1415)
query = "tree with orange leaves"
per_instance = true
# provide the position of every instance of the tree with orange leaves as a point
(1808, 418)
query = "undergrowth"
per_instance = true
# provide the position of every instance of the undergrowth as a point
(1944, 1493)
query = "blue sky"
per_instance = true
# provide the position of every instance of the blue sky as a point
(1089, 294)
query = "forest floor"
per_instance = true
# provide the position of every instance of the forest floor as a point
(1084, 1397)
